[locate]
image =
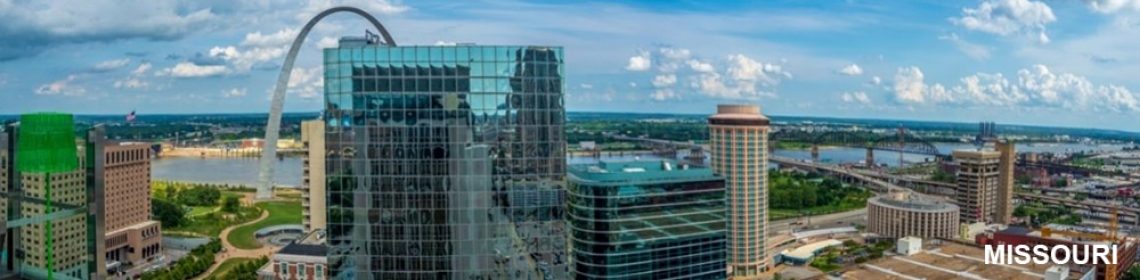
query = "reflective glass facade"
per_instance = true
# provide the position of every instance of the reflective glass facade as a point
(445, 162)
(646, 220)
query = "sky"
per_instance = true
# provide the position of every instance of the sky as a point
(1057, 63)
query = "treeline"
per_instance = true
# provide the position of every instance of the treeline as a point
(244, 271)
(198, 261)
(794, 190)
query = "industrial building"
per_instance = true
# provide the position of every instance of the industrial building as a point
(903, 213)
(646, 220)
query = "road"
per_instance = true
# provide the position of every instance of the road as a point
(849, 218)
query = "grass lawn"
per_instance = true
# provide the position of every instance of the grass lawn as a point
(200, 210)
(228, 265)
(780, 214)
(280, 213)
(212, 223)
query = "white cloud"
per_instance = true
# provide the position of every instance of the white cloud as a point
(191, 70)
(856, 97)
(1112, 6)
(701, 66)
(639, 62)
(851, 70)
(32, 26)
(1008, 17)
(586, 86)
(379, 7)
(242, 61)
(1036, 86)
(632, 84)
(64, 87)
(112, 64)
(675, 53)
(664, 80)
(277, 39)
(134, 80)
(742, 80)
(307, 83)
(975, 51)
(663, 94)
(876, 81)
(234, 92)
(909, 85)
(328, 43)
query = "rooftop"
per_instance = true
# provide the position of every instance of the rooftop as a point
(647, 171)
(304, 250)
(946, 261)
(912, 201)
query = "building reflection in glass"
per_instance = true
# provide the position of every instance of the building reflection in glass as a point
(445, 162)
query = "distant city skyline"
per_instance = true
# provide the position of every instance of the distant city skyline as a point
(1008, 61)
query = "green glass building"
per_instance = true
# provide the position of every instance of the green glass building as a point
(646, 220)
(445, 162)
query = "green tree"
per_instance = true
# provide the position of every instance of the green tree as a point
(231, 204)
(168, 214)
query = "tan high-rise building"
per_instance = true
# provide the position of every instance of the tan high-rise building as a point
(978, 184)
(68, 235)
(738, 140)
(313, 180)
(1006, 186)
(131, 237)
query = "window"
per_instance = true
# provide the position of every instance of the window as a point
(301, 271)
(284, 269)
(318, 272)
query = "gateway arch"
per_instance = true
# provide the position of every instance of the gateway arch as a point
(273, 127)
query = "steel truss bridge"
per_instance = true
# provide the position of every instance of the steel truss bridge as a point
(901, 141)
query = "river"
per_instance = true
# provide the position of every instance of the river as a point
(245, 170)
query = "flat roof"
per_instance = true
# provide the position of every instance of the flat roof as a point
(304, 250)
(640, 171)
(808, 251)
(946, 261)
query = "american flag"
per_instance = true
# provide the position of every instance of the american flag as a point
(131, 116)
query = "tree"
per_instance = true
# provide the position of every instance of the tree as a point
(169, 214)
(231, 204)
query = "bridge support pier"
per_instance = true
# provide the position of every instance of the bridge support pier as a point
(870, 157)
(814, 153)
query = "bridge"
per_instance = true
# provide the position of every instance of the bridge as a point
(901, 141)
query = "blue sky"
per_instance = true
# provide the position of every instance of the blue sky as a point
(1069, 63)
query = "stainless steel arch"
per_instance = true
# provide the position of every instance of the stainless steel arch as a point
(273, 127)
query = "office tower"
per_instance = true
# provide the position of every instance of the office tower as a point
(445, 162)
(977, 190)
(47, 173)
(313, 175)
(131, 237)
(646, 220)
(1008, 154)
(738, 138)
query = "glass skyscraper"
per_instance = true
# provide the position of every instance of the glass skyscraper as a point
(445, 162)
(647, 220)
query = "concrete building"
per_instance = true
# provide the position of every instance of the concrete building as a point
(902, 214)
(1003, 214)
(977, 185)
(313, 175)
(297, 261)
(131, 238)
(946, 261)
(646, 220)
(1068, 236)
(738, 140)
(48, 194)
